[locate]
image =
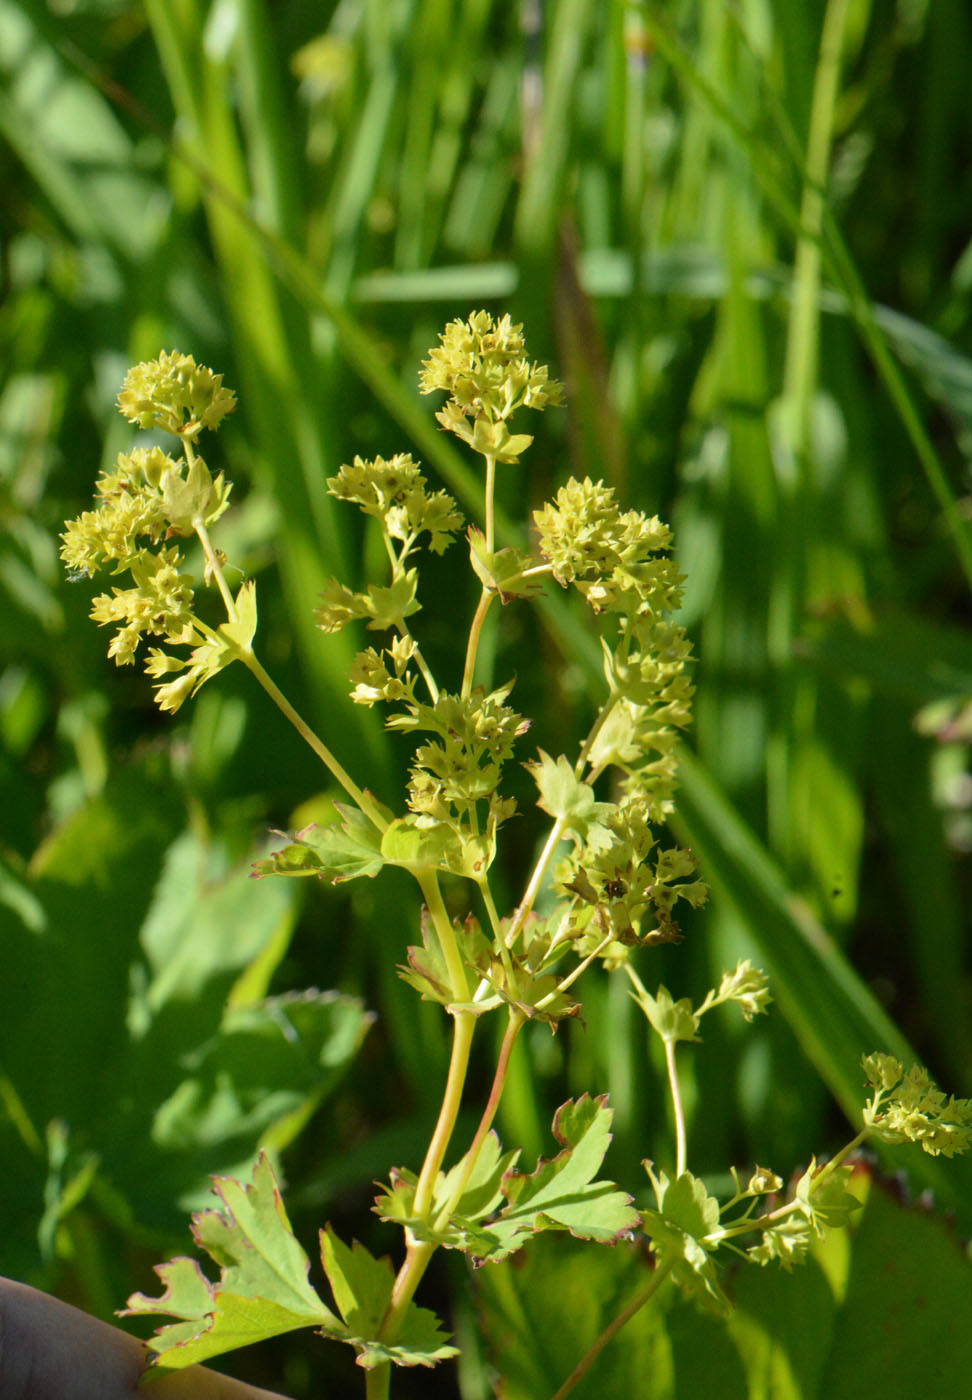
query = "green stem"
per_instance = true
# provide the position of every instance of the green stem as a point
(421, 663)
(572, 977)
(475, 628)
(491, 910)
(533, 888)
(678, 1107)
(611, 1331)
(490, 490)
(595, 729)
(429, 885)
(362, 800)
(216, 569)
(462, 1034)
(514, 1026)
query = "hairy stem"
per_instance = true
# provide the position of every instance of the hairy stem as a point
(611, 1331)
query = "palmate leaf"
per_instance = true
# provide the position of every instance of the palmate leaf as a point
(562, 1193)
(679, 1229)
(263, 1289)
(362, 1288)
(335, 853)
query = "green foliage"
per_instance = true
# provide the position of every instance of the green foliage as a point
(362, 1288)
(337, 189)
(263, 1288)
(616, 882)
(870, 1307)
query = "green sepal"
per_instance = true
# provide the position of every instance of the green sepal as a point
(263, 1290)
(680, 1229)
(362, 1288)
(562, 1193)
(338, 852)
(501, 571)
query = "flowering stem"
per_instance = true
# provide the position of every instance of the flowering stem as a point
(362, 800)
(572, 977)
(514, 1026)
(532, 889)
(658, 1277)
(475, 628)
(419, 1252)
(677, 1105)
(490, 488)
(216, 569)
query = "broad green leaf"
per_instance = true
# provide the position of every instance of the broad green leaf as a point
(362, 1288)
(542, 1311)
(562, 1193)
(686, 1215)
(869, 1313)
(876, 1309)
(263, 1289)
(264, 1072)
(338, 852)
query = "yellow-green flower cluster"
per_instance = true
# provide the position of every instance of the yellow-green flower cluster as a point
(909, 1107)
(481, 366)
(175, 394)
(147, 498)
(394, 492)
(616, 560)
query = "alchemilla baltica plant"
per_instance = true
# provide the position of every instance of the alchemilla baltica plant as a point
(611, 880)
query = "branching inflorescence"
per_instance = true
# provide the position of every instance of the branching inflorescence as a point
(611, 883)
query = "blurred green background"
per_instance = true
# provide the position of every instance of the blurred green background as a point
(741, 234)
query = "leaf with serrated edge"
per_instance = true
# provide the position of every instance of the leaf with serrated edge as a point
(362, 1288)
(562, 1193)
(263, 1289)
(481, 1194)
(338, 852)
